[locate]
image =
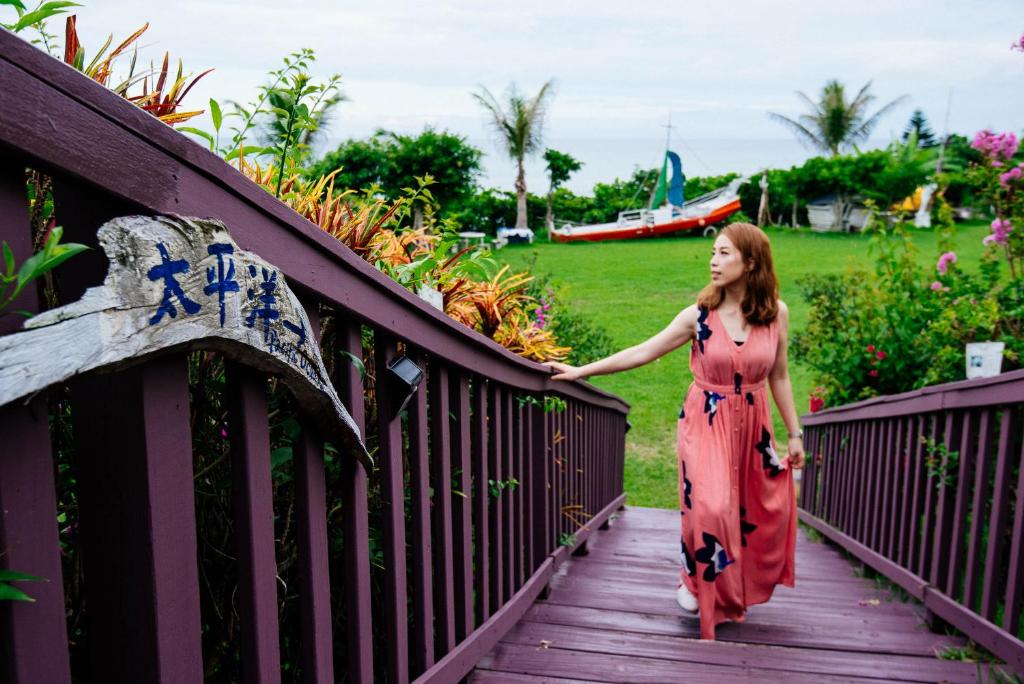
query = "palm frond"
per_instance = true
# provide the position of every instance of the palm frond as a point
(803, 133)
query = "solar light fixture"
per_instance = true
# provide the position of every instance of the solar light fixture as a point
(629, 425)
(404, 378)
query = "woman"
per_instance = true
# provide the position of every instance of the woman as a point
(736, 500)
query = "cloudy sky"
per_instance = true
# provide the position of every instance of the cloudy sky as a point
(619, 67)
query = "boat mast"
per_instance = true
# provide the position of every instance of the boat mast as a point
(668, 139)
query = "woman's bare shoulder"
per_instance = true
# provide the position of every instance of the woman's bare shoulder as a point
(689, 315)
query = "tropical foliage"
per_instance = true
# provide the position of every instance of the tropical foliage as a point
(835, 123)
(519, 125)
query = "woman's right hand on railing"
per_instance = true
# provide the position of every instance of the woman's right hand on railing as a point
(565, 371)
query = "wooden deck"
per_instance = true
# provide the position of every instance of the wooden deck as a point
(611, 616)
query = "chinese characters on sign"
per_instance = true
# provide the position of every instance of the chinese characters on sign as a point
(174, 284)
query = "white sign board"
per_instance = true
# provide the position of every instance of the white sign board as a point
(178, 283)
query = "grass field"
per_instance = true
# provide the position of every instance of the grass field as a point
(634, 288)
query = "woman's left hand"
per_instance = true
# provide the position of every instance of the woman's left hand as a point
(796, 453)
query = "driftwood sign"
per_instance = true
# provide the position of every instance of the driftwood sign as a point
(178, 283)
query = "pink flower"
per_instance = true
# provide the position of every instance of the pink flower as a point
(1019, 45)
(1001, 230)
(995, 147)
(881, 355)
(816, 403)
(936, 286)
(871, 347)
(944, 261)
(1013, 174)
(873, 373)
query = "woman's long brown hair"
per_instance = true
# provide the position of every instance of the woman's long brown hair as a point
(760, 303)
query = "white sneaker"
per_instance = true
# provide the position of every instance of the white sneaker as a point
(686, 600)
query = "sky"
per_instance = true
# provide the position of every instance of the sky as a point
(619, 68)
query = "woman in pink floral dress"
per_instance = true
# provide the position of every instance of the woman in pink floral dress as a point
(736, 500)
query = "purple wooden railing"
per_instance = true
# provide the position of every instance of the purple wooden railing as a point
(927, 488)
(459, 567)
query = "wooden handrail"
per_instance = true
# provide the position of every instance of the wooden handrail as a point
(477, 425)
(920, 486)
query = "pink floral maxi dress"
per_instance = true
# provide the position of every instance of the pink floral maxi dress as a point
(736, 500)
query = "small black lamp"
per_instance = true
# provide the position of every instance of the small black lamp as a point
(404, 378)
(629, 425)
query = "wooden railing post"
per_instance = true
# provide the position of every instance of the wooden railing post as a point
(28, 502)
(314, 570)
(390, 455)
(252, 501)
(355, 516)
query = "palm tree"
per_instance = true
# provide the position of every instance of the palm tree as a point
(520, 127)
(833, 123)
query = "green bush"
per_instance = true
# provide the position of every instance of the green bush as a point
(902, 327)
(589, 341)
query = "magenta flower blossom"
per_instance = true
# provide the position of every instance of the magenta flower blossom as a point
(1014, 174)
(995, 147)
(1019, 45)
(1001, 230)
(944, 261)
(936, 286)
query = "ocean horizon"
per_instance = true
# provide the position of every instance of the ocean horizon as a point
(605, 159)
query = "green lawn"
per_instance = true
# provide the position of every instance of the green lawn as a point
(634, 288)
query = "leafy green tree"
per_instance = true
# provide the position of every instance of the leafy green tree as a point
(919, 124)
(361, 164)
(452, 162)
(519, 125)
(834, 123)
(560, 167)
(391, 161)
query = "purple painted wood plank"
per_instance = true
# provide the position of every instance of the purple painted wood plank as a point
(917, 495)
(137, 521)
(968, 441)
(481, 501)
(311, 526)
(906, 490)
(462, 512)
(396, 623)
(28, 537)
(464, 657)
(441, 480)
(422, 623)
(516, 514)
(252, 497)
(876, 459)
(314, 573)
(844, 440)
(943, 522)
(541, 475)
(883, 526)
(999, 517)
(783, 659)
(854, 484)
(522, 562)
(355, 516)
(28, 501)
(982, 472)
(924, 559)
(1015, 564)
(829, 475)
(895, 490)
(495, 514)
(529, 493)
(506, 496)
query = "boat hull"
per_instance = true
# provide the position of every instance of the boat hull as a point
(616, 232)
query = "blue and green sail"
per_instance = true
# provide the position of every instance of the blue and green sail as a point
(674, 190)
